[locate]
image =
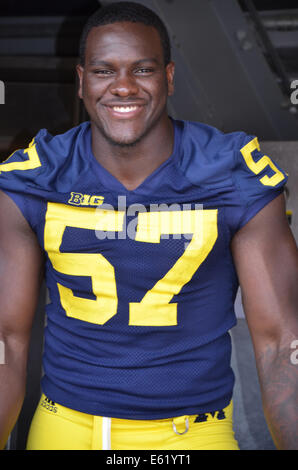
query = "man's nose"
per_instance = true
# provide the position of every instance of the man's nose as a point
(124, 85)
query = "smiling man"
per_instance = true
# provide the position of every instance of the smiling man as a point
(137, 347)
(125, 79)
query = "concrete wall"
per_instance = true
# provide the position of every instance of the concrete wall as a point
(286, 155)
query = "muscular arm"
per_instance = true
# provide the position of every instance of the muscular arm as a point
(266, 260)
(20, 278)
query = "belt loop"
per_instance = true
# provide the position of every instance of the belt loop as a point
(97, 433)
(179, 420)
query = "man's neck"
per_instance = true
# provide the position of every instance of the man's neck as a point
(131, 165)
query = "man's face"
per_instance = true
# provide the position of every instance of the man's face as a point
(124, 82)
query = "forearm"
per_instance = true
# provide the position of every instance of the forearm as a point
(12, 385)
(279, 385)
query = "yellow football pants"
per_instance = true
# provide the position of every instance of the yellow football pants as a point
(55, 427)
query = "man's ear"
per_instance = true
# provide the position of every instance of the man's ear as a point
(80, 72)
(170, 72)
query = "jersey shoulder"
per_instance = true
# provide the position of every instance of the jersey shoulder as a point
(214, 158)
(49, 163)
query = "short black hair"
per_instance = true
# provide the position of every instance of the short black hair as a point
(121, 12)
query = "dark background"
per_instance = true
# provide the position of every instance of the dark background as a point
(230, 73)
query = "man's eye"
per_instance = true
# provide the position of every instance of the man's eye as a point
(144, 71)
(103, 72)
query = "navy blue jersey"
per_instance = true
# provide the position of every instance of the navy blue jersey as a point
(141, 283)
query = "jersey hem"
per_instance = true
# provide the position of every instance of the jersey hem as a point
(64, 399)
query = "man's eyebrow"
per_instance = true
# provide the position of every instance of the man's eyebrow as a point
(103, 63)
(152, 59)
(99, 62)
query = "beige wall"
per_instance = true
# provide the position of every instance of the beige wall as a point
(286, 155)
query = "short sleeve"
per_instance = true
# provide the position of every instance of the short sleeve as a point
(258, 179)
(21, 167)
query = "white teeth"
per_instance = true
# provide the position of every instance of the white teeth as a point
(124, 109)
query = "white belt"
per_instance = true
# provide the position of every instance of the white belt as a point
(106, 433)
(106, 429)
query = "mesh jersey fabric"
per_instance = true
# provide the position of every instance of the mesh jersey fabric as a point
(142, 283)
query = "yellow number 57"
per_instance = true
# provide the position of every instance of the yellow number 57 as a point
(155, 308)
(257, 167)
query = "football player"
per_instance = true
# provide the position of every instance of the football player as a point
(143, 226)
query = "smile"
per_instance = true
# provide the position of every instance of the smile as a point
(125, 109)
(122, 112)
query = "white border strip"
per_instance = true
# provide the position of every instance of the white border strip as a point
(106, 433)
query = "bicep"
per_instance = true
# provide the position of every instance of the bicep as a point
(21, 263)
(266, 261)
